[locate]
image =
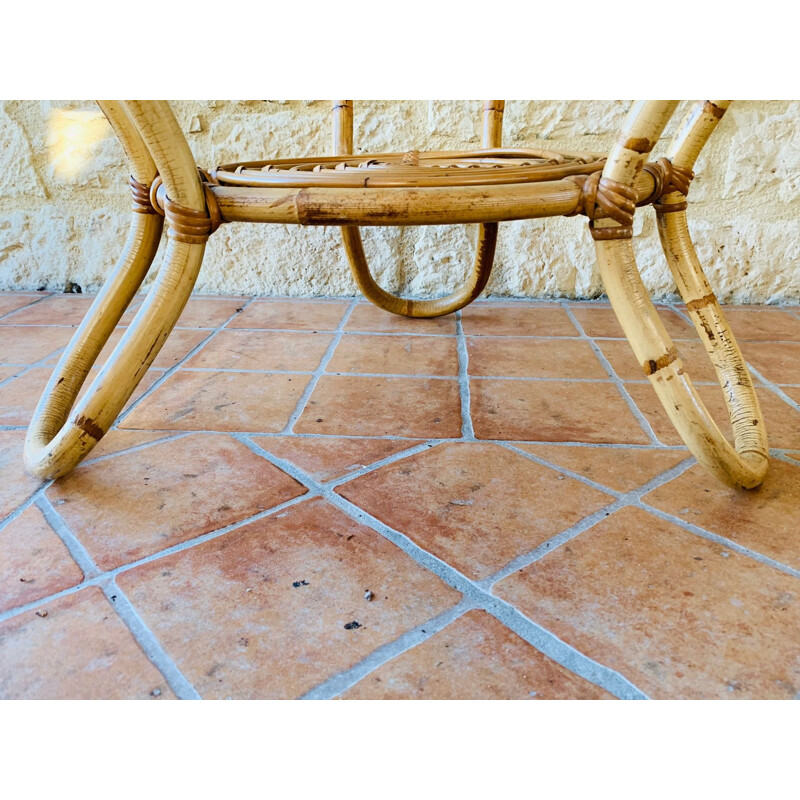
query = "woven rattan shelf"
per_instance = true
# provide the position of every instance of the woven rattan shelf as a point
(486, 186)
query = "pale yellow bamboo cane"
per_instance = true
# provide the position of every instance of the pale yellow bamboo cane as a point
(750, 433)
(54, 445)
(646, 333)
(485, 248)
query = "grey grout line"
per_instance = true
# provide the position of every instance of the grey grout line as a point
(606, 364)
(346, 333)
(24, 505)
(79, 553)
(342, 681)
(545, 641)
(774, 388)
(480, 597)
(717, 539)
(467, 428)
(169, 551)
(41, 363)
(315, 486)
(122, 606)
(135, 448)
(175, 367)
(563, 653)
(622, 500)
(33, 302)
(558, 468)
(417, 375)
(783, 456)
(534, 634)
(319, 371)
(147, 641)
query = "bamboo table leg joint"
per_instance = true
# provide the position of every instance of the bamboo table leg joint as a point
(485, 186)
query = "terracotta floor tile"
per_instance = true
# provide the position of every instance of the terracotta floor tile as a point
(519, 319)
(34, 563)
(9, 372)
(369, 318)
(58, 309)
(621, 468)
(208, 313)
(764, 519)
(624, 362)
(175, 349)
(145, 501)
(679, 616)
(782, 421)
(263, 350)
(400, 355)
(763, 324)
(13, 301)
(16, 485)
(220, 401)
(518, 357)
(80, 650)
(117, 440)
(795, 456)
(552, 411)
(18, 398)
(417, 408)
(299, 315)
(27, 345)
(475, 506)
(474, 658)
(326, 458)
(778, 362)
(277, 607)
(602, 321)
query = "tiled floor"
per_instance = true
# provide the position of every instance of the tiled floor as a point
(318, 499)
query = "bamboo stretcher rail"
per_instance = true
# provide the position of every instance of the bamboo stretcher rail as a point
(418, 206)
(486, 186)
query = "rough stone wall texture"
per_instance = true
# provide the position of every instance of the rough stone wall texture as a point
(64, 200)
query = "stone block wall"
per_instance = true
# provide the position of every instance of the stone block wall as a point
(64, 200)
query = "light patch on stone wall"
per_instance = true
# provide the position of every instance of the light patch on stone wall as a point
(72, 137)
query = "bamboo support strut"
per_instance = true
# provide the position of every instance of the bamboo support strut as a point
(484, 187)
(487, 231)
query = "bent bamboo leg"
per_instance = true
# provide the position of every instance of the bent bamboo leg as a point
(697, 294)
(743, 466)
(351, 236)
(57, 440)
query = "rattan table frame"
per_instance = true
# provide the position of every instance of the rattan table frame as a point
(486, 187)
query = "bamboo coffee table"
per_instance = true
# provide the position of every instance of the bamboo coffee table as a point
(485, 186)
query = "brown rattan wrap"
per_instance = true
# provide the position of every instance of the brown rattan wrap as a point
(140, 193)
(668, 178)
(603, 198)
(186, 224)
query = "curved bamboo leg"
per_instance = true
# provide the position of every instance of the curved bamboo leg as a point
(57, 439)
(697, 294)
(351, 235)
(745, 465)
